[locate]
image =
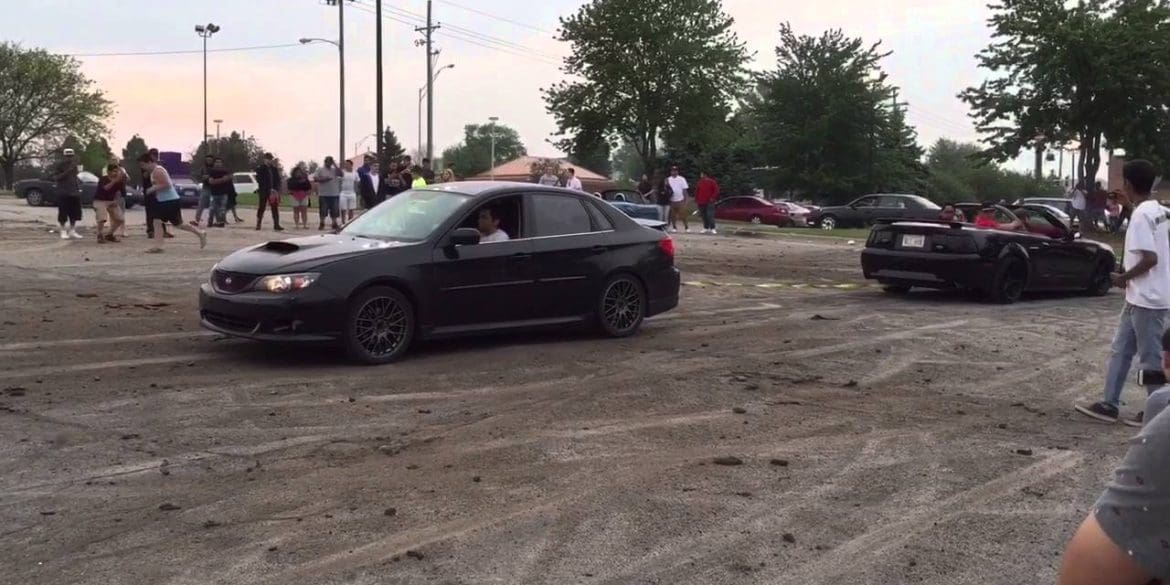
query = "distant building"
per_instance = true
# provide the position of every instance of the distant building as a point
(520, 170)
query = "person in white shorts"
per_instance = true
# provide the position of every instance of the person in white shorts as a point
(348, 192)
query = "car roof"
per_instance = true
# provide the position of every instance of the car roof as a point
(477, 189)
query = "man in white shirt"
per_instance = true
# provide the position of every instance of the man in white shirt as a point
(1080, 204)
(489, 227)
(1146, 281)
(678, 199)
(548, 179)
(573, 182)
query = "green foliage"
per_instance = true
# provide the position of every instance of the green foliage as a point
(239, 154)
(828, 121)
(135, 147)
(626, 163)
(95, 156)
(1089, 71)
(392, 149)
(43, 99)
(958, 174)
(727, 149)
(473, 155)
(639, 67)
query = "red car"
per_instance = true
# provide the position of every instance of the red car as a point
(755, 210)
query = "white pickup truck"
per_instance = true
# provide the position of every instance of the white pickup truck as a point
(245, 183)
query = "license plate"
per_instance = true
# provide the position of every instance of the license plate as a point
(913, 241)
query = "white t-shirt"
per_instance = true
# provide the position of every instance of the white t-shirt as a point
(349, 182)
(1149, 230)
(1078, 199)
(496, 236)
(574, 183)
(678, 188)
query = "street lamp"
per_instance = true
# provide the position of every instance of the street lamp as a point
(205, 31)
(493, 120)
(422, 91)
(341, 89)
(217, 122)
(359, 143)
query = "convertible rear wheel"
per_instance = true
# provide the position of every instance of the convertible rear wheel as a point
(1102, 281)
(1010, 280)
(34, 197)
(622, 306)
(379, 326)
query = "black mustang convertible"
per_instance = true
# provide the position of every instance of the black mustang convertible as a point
(1030, 249)
(415, 267)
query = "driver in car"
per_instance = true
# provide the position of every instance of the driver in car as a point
(489, 227)
(986, 219)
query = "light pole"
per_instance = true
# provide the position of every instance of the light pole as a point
(217, 123)
(340, 91)
(493, 120)
(205, 31)
(422, 91)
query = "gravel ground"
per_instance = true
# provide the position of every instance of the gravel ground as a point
(787, 424)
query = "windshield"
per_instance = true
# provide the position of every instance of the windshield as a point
(410, 216)
(926, 203)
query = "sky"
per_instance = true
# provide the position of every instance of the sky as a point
(503, 53)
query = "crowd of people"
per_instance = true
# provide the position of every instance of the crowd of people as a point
(669, 192)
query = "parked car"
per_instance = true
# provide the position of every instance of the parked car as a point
(188, 191)
(1044, 255)
(1064, 204)
(245, 183)
(414, 267)
(755, 210)
(39, 192)
(631, 203)
(865, 211)
(798, 213)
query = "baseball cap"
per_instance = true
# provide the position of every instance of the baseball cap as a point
(68, 152)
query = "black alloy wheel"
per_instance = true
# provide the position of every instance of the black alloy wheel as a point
(1010, 281)
(1102, 280)
(622, 306)
(34, 197)
(379, 326)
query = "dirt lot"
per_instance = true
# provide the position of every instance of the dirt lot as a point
(878, 439)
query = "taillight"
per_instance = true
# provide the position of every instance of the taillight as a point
(667, 246)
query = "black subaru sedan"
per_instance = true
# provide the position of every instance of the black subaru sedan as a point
(447, 260)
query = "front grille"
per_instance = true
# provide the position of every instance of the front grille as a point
(230, 322)
(231, 283)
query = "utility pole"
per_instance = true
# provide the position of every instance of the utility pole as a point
(493, 120)
(341, 87)
(378, 73)
(428, 32)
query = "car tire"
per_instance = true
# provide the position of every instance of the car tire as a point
(1011, 278)
(34, 197)
(379, 325)
(896, 289)
(756, 220)
(828, 223)
(1102, 280)
(621, 307)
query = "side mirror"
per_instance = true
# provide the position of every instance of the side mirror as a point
(463, 237)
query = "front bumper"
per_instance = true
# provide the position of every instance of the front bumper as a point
(306, 316)
(927, 269)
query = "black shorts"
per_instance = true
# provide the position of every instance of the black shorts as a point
(169, 212)
(68, 208)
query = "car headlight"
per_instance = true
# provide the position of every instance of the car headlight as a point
(284, 283)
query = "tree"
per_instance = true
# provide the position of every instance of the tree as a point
(239, 154)
(642, 66)
(43, 98)
(95, 156)
(828, 120)
(626, 163)
(957, 173)
(473, 155)
(391, 149)
(135, 147)
(591, 150)
(1090, 71)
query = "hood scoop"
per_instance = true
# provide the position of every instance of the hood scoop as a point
(280, 247)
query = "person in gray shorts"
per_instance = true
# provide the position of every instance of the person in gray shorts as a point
(1126, 538)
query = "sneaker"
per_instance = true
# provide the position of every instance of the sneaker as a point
(64, 234)
(1135, 420)
(706, 231)
(73, 234)
(687, 230)
(1101, 411)
(674, 230)
(714, 233)
(278, 228)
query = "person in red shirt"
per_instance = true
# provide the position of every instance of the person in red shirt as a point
(706, 194)
(986, 219)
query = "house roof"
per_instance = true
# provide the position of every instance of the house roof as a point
(522, 167)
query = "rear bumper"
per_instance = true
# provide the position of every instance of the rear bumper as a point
(266, 317)
(662, 290)
(926, 269)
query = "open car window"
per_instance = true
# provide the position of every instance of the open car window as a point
(508, 209)
(866, 202)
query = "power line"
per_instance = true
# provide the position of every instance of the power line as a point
(464, 33)
(184, 52)
(495, 17)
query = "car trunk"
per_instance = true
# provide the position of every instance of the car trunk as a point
(923, 237)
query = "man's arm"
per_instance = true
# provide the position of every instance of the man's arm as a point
(1148, 262)
(1093, 559)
